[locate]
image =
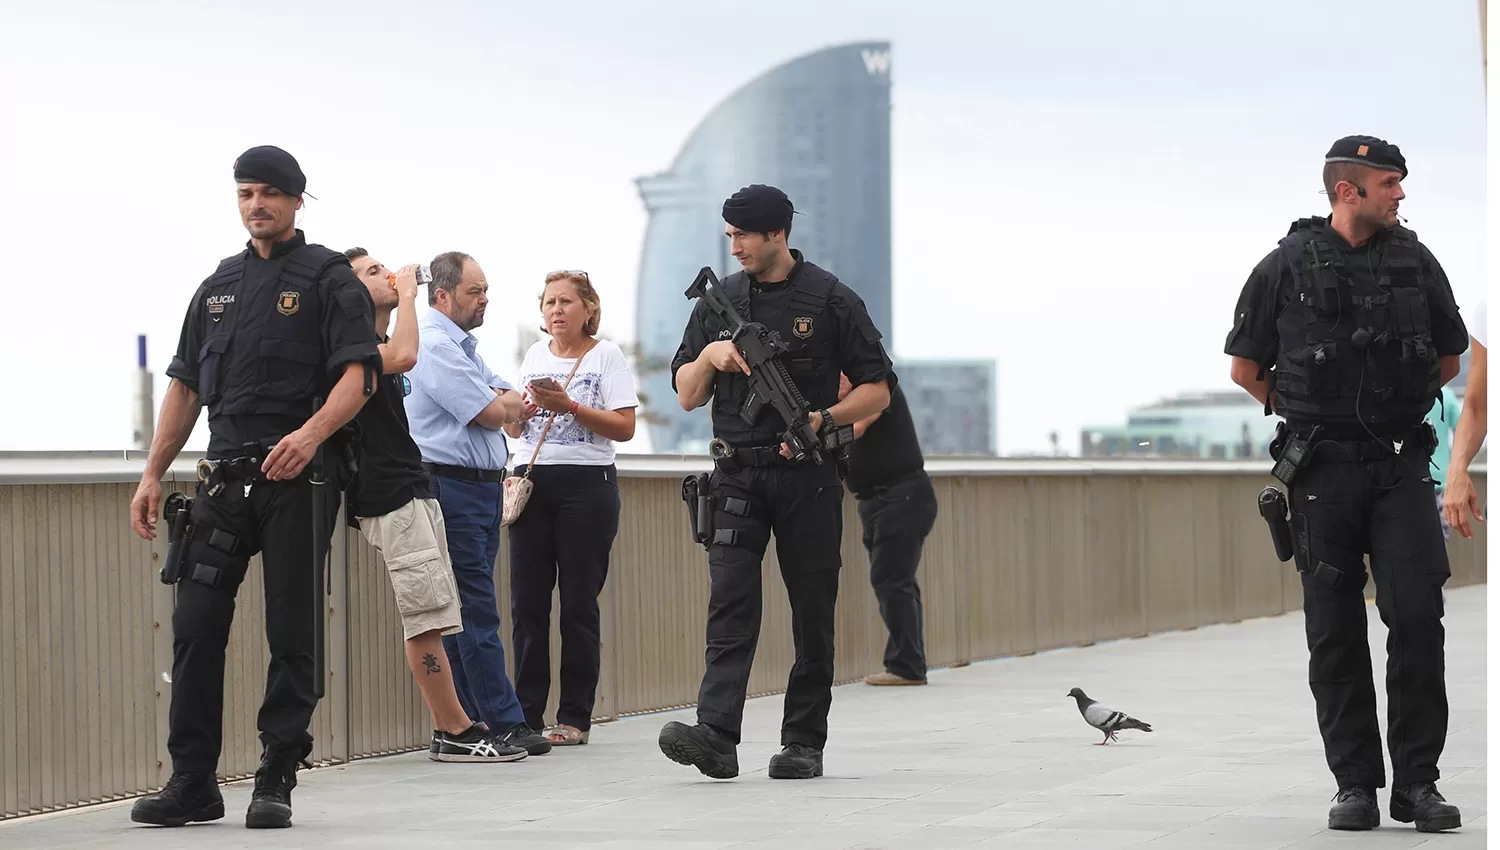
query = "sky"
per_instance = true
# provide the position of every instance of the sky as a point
(1079, 189)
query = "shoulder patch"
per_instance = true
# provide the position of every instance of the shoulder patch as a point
(356, 303)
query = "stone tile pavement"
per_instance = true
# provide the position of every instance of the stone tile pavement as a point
(991, 755)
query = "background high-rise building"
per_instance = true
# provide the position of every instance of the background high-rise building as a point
(1216, 425)
(952, 403)
(819, 128)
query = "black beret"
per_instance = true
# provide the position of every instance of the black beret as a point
(758, 208)
(1368, 150)
(270, 164)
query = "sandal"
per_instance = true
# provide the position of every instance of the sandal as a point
(563, 735)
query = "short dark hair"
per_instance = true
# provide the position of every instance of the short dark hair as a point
(447, 270)
(1335, 173)
(355, 253)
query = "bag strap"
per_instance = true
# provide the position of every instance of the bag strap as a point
(548, 426)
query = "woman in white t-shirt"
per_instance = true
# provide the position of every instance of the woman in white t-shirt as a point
(564, 536)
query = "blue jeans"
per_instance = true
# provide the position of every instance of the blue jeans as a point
(471, 515)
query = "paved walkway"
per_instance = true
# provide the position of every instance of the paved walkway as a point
(992, 755)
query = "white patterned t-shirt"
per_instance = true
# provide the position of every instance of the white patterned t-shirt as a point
(603, 381)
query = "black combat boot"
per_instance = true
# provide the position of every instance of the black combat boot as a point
(1354, 808)
(797, 761)
(271, 801)
(1422, 803)
(187, 797)
(701, 746)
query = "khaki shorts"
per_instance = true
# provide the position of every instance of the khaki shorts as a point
(412, 541)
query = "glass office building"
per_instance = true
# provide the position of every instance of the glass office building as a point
(819, 128)
(952, 403)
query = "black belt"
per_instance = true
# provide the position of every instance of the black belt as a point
(1370, 447)
(734, 459)
(216, 472)
(464, 473)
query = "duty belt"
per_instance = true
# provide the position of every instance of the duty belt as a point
(731, 459)
(215, 473)
(1421, 438)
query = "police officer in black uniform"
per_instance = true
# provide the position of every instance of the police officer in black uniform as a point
(758, 489)
(897, 509)
(1349, 330)
(277, 327)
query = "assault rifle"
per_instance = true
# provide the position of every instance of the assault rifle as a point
(769, 381)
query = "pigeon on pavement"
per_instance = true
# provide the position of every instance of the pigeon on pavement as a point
(1104, 718)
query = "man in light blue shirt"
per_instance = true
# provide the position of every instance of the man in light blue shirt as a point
(1444, 418)
(456, 408)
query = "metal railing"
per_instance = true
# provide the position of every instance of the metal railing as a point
(1025, 556)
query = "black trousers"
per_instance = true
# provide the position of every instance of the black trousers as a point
(803, 505)
(563, 539)
(1342, 508)
(896, 521)
(276, 520)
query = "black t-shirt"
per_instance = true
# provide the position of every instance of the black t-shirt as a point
(843, 331)
(888, 449)
(390, 464)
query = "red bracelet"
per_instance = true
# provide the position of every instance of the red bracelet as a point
(573, 410)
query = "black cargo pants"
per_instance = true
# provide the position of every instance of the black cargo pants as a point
(1358, 498)
(803, 505)
(897, 519)
(275, 520)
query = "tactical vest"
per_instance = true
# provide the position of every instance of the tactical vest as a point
(1350, 337)
(811, 357)
(264, 356)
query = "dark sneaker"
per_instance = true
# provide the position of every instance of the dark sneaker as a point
(433, 748)
(1354, 808)
(797, 761)
(271, 801)
(475, 744)
(701, 746)
(1422, 803)
(187, 797)
(527, 738)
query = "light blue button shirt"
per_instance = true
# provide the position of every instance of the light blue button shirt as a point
(450, 385)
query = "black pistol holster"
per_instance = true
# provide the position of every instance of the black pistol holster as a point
(1292, 452)
(700, 507)
(700, 502)
(1273, 508)
(177, 510)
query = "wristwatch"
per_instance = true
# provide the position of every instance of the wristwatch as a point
(827, 420)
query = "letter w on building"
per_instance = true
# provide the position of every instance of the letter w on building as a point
(876, 61)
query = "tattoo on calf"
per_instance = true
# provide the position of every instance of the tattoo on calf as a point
(432, 665)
